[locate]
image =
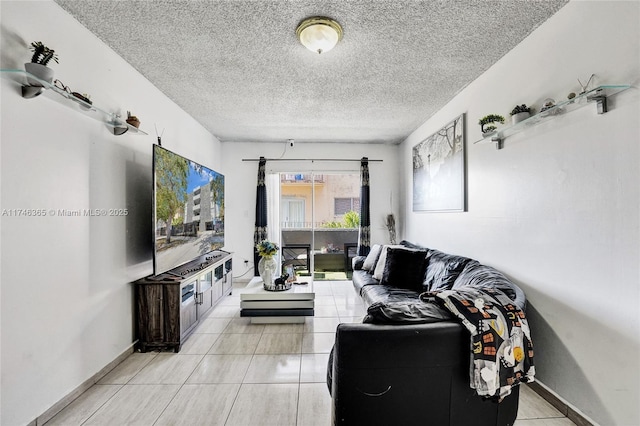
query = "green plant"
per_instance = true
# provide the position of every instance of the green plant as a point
(488, 119)
(351, 219)
(333, 224)
(520, 108)
(42, 54)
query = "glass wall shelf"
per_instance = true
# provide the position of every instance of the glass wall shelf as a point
(116, 124)
(598, 95)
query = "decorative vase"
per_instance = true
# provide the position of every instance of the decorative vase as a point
(40, 71)
(516, 118)
(267, 267)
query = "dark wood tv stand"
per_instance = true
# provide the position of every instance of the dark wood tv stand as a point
(170, 305)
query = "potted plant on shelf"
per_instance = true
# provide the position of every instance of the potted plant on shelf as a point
(488, 121)
(520, 113)
(38, 65)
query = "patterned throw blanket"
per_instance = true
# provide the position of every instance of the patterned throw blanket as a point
(501, 348)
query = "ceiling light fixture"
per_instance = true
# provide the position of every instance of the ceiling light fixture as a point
(319, 34)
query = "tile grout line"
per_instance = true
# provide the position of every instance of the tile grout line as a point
(187, 378)
(262, 333)
(122, 385)
(244, 376)
(101, 405)
(235, 399)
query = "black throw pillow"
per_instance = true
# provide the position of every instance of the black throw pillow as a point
(409, 244)
(404, 268)
(442, 270)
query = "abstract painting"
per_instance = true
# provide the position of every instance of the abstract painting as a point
(439, 170)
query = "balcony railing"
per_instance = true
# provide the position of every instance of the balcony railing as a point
(309, 225)
(297, 225)
(301, 178)
(331, 248)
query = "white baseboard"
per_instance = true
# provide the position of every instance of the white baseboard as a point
(567, 409)
(540, 388)
(71, 396)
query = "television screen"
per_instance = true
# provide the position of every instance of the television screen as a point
(189, 210)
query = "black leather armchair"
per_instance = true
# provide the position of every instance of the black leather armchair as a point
(409, 375)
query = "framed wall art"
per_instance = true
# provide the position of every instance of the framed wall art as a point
(439, 170)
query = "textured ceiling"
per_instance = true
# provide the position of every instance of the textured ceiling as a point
(237, 67)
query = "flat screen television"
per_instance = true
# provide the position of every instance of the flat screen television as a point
(188, 214)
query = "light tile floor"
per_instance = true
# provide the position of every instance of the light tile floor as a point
(231, 372)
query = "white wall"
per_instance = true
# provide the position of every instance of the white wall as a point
(241, 194)
(558, 208)
(67, 301)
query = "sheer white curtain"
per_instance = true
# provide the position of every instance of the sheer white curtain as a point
(273, 212)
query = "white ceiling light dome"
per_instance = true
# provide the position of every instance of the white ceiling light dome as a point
(319, 34)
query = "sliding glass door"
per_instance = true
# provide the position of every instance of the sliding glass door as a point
(319, 218)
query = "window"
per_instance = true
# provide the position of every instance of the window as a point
(344, 205)
(292, 213)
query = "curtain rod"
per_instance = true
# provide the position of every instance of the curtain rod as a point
(310, 159)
